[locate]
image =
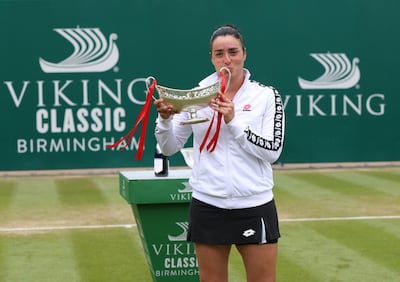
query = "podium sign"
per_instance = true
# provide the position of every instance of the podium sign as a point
(161, 209)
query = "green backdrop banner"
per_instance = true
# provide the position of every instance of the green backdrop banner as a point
(72, 74)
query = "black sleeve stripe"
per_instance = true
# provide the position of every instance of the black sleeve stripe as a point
(275, 144)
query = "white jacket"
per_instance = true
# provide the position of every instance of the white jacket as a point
(238, 173)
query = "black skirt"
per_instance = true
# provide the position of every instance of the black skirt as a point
(213, 225)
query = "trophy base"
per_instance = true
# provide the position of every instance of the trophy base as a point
(194, 120)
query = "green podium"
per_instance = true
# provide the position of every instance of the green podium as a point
(161, 209)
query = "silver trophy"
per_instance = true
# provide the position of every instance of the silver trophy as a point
(191, 100)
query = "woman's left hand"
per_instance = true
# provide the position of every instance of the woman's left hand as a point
(223, 105)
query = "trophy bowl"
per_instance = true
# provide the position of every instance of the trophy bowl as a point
(189, 100)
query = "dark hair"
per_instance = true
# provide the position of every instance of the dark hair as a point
(224, 30)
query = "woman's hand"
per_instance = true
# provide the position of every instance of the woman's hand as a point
(164, 109)
(223, 105)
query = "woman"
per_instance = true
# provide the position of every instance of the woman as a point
(232, 203)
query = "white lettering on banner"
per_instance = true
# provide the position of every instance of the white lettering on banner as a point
(80, 120)
(73, 93)
(17, 98)
(180, 262)
(340, 73)
(62, 145)
(181, 197)
(82, 106)
(335, 105)
(176, 272)
(77, 106)
(173, 249)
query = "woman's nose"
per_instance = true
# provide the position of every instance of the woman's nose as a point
(227, 58)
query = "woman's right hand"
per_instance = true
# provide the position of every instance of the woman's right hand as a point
(164, 109)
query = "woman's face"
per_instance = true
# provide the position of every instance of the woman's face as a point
(227, 51)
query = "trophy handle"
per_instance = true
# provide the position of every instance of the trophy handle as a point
(229, 76)
(149, 81)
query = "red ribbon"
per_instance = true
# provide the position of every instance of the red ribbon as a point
(143, 115)
(214, 140)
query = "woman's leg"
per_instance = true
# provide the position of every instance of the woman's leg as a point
(213, 262)
(259, 261)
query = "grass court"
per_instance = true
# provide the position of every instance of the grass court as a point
(336, 225)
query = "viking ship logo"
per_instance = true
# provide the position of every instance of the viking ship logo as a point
(92, 52)
(187, 188)
(339, 73)
(181, 237)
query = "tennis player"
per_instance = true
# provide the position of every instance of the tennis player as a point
(232, 199)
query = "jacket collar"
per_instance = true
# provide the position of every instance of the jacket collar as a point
(212, 78)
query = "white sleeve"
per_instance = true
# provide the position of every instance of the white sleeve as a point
(171, 135)
(265, 144)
